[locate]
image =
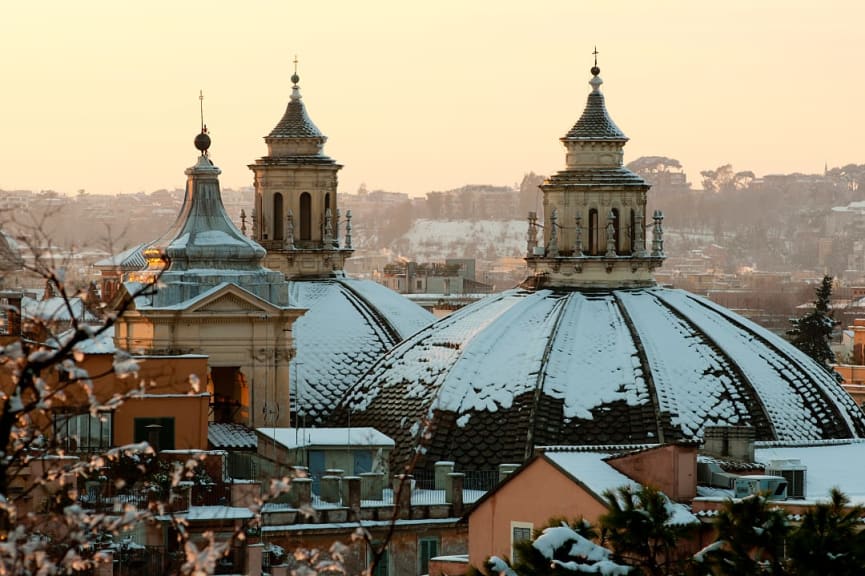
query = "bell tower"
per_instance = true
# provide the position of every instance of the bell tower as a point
(594, 233)
(296, 216)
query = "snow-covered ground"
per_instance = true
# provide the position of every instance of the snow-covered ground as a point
(435, 240)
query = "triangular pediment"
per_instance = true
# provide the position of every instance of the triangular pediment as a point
(229, 303)
(230, 298)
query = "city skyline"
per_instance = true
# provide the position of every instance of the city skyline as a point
(415, 98)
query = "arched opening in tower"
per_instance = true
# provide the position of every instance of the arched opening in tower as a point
(305, 217)
(632, 233)
(616, 230)
(593, 231)
(278, 217)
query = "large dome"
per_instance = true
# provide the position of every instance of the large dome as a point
(349, 324)
(529, 368)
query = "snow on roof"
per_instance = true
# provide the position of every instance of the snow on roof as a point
(349, 324)
(205, 513)
(327, 437)
(590, 469)
(56, 309)
(612, 367)
(230, 435)
(828, 466)
(353, 525)
(131, 258)
(103, 343)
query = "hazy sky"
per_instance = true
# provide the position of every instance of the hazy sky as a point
(421, 96)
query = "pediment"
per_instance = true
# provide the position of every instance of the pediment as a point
(230, 299)
(229, 303)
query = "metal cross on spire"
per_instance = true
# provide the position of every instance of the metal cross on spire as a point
(595, 53)
(295, 63)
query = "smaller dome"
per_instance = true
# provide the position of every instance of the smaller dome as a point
(349, 324)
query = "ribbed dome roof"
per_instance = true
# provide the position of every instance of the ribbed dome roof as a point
(595, 123)
(295, 123)
(349, 324)
(522, 369)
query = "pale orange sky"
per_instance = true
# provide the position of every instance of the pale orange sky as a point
(418, 96)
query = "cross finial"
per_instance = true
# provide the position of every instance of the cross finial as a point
(295, 63)
(595, 53)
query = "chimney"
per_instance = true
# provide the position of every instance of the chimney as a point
(403, 486)
(351, 492)
(442, 469)
(371, 485)
(506, 470)
(454, 494)
(734, 442)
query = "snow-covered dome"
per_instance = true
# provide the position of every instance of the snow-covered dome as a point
(530, 368)
(591, 350)
(349, 324)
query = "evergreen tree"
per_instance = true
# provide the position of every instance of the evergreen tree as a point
(750, 541)
(812, 333)
(829, 539)
(558, 549)
(641, 529)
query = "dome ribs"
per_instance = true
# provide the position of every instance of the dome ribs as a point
(663, 428)
(822, 394)
(540, 378)
(693, 383)
(376, 319)
(759, 417)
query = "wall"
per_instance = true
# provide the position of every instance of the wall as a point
(402, 548)
(670, 468)
(537, 493)
(189, 413)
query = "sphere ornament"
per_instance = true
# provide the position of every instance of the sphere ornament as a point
(202, 142)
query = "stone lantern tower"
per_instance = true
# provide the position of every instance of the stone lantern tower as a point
(594, 234)
(296, 215)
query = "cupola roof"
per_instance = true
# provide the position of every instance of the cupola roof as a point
(595, 123)
(295, 123)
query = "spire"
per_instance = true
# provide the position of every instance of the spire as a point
(595, 210)
(295, 123)
(595, 123)
(203, 236)
(202, 140)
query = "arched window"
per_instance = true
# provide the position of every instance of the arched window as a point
(616, 228)
(326, 203)
(593, 231)
(305, 216)
(632, 233)
(278, 224)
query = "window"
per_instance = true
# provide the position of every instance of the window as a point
(165, 434)
(83, 432)
(593, 231)
(520, 532)
(383, 566)
(616, 235)
(427, 549)
(632, 232)
(305, 216)
(278, 229)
